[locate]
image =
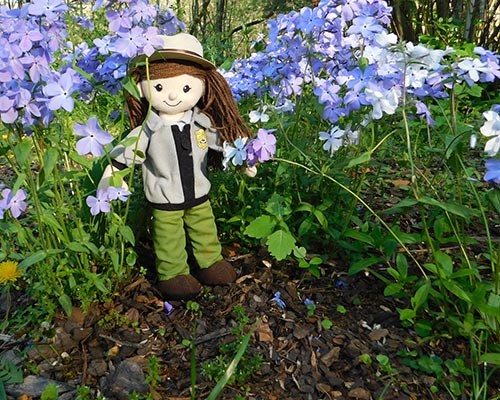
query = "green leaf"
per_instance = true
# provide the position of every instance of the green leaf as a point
(401, 206)
(50, 158)
(456, 209)
(402, 264)
(359, 236)
(261, 227)
(421, 295)
(280, 244)
(77, 247)
(66, 304)
(444, 263)
(9, 372)
(33, 259)
(393, 288)
(300, 252)
(127, 234)
(130, 86)
(22, 151)
(493, 197)
(82, 160)
(50, 392)
(326, 324)
(490, 358)
(278, 205)
(406, 314)
(364, 263)
(362, 159)
(323, 221)
(454, 288)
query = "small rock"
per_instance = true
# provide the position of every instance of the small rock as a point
(127, 378)
(359, 394)
(98, 367)
(63, 341)
(81, 333)
(33, 386)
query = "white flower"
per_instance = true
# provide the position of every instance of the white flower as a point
(473, 67)
(491, 128)
(333, 139)
(256, 116)
(382, 101)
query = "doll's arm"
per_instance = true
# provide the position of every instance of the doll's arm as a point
(129, 151)
(106, 177)
(250, 171)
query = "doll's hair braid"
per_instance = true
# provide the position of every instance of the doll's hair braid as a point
(217, 102)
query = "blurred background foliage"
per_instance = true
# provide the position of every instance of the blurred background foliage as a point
(442, 22)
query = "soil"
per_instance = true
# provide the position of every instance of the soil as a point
(304, 355)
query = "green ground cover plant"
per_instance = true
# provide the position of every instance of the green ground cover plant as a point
(386, 158)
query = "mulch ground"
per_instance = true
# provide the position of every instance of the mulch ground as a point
(302, 358)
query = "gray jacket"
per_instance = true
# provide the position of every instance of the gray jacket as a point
(173, 156)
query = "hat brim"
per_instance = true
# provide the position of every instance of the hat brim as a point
(169, 55)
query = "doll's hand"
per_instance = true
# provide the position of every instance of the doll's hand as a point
(250, 171)
(105, 181)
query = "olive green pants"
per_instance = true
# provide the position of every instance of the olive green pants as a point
(172, 229)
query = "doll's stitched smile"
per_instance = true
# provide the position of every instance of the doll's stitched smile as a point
(172, 105)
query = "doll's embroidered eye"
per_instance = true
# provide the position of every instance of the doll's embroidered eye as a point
(159, 87)
(186, 88)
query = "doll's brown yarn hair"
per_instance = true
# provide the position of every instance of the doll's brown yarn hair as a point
(217, 102)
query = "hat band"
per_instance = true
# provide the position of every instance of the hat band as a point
(187, 52)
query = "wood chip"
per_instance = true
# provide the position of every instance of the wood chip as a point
(378, 334)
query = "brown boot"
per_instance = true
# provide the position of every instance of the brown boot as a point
(182, 287)
(220, 273)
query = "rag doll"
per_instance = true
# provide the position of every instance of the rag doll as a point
(185, 110)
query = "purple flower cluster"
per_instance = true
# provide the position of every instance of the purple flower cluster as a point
(13, 202)
(30, 88)
(259, 149)
(36, 74)
(101, 202)
(134, 26)
(343, 51)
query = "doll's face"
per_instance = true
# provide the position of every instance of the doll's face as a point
(174, 95)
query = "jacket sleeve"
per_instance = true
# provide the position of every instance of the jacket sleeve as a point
(132, 149)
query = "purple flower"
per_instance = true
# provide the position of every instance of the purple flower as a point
(93, 137)
(423, 111)
(49, 8)
(130, 42)
(261, 148)
(99, 203)
(168, 307)
(118, 20)
(278, 300)
(59, 92)
(14, 203)
(152, 41)
(118, 193)
(308, 302)
(365, 26)
(492, 174)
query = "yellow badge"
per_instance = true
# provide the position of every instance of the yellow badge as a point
(201, 139)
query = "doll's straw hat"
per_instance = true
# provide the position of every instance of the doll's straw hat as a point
(183, 47)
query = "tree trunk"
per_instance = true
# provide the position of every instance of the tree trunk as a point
(220, 16)
(402, 23)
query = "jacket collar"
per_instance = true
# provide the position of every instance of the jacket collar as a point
(155, 122)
